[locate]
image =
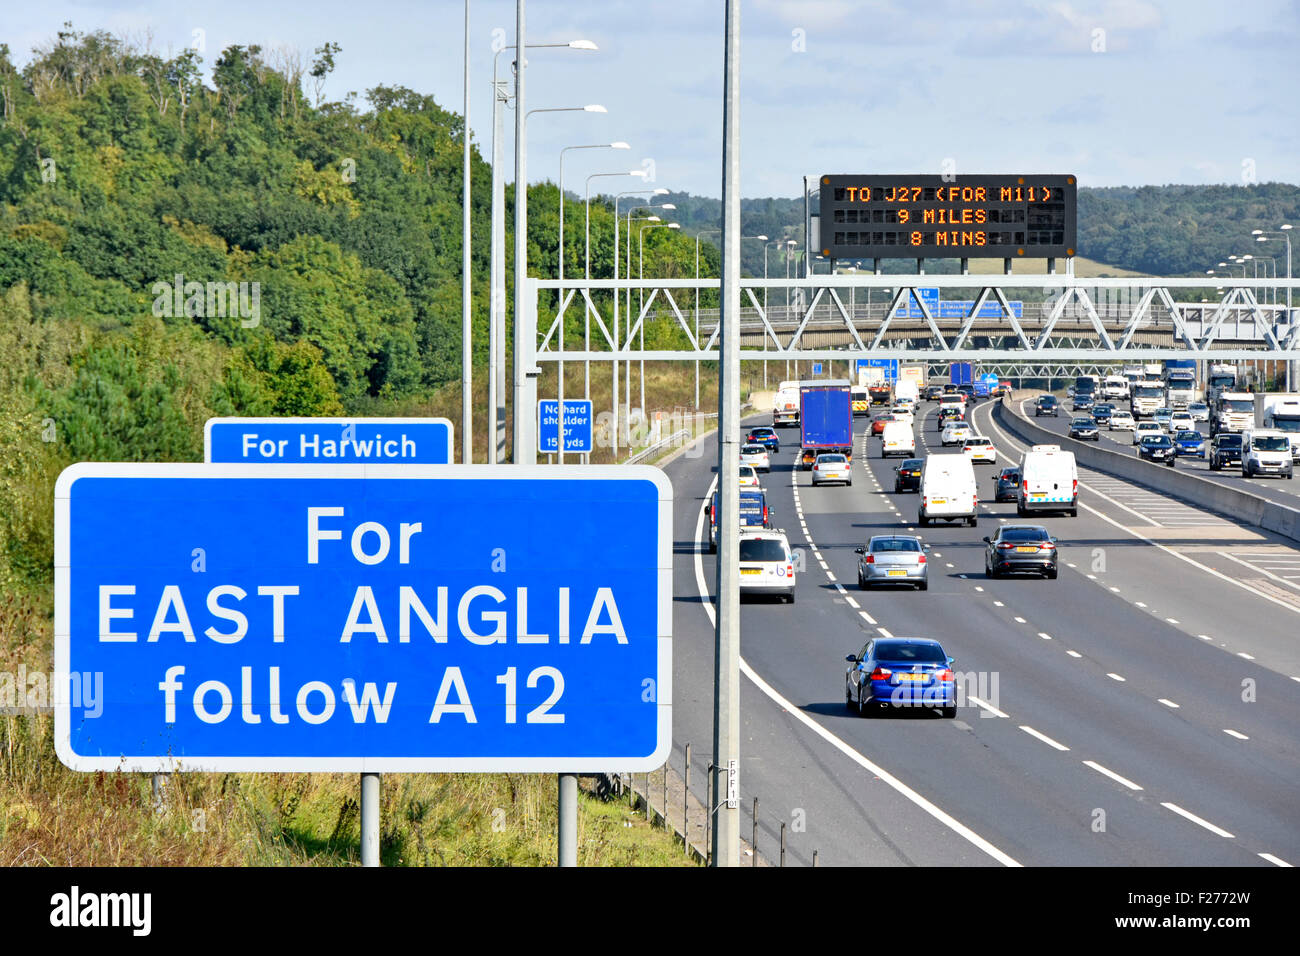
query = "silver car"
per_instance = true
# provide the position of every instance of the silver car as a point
(757, 456)
(832, 467)
(893, 559)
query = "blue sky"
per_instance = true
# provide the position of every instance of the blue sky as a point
(1119, 92)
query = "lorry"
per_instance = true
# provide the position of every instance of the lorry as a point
(913, 372)
(825, 422)
(1145, 397)
(785, 407)
(1115, 387)
(1280, 411)
(1232, 412)
(962, 373)
(1220, 378)
(1180, 388)
(1153, 370)
(1133, 373)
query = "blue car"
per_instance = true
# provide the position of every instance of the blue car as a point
(1189, 443)
(764, 436)
(900, 672)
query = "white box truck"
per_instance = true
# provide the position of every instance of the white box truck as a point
(1049, 481)
(1233, 412)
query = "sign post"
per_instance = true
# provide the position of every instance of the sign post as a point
(364, 618)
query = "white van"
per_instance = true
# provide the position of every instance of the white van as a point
(948, 490)
(1264, 451)
(1049, 481)
(897, 439)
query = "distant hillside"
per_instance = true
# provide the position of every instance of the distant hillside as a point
(1153, 230)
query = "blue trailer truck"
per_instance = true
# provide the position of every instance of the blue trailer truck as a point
(825, 422)
(962, 373)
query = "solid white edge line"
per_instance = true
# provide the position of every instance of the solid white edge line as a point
(885, 776)
(1043, 737)
(1112, 774)
(1197, 820)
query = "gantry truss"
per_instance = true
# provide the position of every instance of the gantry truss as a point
(1018, 320)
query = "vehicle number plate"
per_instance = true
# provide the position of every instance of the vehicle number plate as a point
(896, 574)
(1028, 549)
(940, 501)
(1037, 496)
(913, 677)
(750, 571)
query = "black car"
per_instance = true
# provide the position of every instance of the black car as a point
(767, 437)
(948, 413)
(1006, 485)
(1159, 449)
(1020, 547)
(908, 475)
(1084, 429)
(1082, 401)
(1045, 405)
(1225, 449)
(1101, 413)
(932, 392)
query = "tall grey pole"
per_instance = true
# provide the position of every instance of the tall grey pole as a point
(726, 673)
(613, 392)
(370, 819)
(525, 447)
(1289, 364)
(697, 321)
(497, 298)
(466, 353)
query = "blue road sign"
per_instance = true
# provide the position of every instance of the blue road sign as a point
(415, 441)
(577, 425)
(817, 368)
(889, 365)
(364, 617)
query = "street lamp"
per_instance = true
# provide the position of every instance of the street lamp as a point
(618, 145)
(613, 400)
(497, 300)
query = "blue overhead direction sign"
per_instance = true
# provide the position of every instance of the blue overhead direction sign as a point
(364, 618)
(817, 368)
(577, 425)
(416, 441)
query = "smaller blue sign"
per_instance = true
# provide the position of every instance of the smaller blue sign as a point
(817, 368)
(328, 441)
(577, 425)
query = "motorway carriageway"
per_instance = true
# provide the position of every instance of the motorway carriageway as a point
(1275, 489)
(1145, 705)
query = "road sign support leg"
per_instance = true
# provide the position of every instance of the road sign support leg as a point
(568, 827)
(370, 819)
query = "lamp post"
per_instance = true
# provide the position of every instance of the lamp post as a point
(613, 395)
(497, 299)
(640, 238)
(1262, 235)
(525, 437)
(697, 310)
(560, 274)
(627, 368)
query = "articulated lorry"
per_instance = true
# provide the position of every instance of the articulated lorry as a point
(1221, 378)
(1232, 412)
(825, 422)
(1280, 411)
(1180, 383)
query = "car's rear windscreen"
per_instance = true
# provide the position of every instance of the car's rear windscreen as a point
(767, 549)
